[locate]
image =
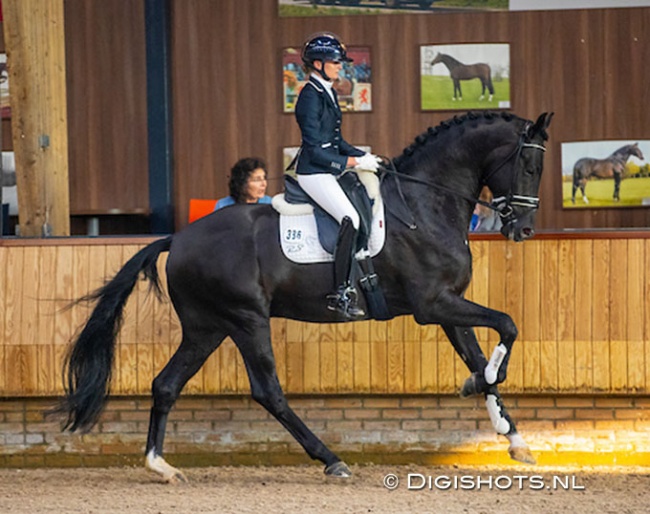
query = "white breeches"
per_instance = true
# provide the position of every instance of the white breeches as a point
(326, 192)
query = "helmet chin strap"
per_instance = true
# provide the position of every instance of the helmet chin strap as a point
(322, 73)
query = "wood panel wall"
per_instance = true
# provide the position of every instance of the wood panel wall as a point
(107, 106)
(589, 66)
(582, 307)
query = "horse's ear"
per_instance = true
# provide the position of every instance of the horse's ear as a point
(541, 124)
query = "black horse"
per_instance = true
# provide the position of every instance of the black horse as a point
(609, 167)
(459, 71)
(227, 276)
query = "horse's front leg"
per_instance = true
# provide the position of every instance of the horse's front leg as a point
(464, 341)
(453, 310)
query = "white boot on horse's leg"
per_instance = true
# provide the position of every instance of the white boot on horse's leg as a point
(158, 465)
(519, 450)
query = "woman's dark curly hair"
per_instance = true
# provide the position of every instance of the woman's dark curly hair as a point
(239, 176)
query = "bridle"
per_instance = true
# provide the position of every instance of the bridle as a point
(503, 205)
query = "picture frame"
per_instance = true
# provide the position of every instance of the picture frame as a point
(606, 174)
(353, 86)
(5, 103)
(465, 77)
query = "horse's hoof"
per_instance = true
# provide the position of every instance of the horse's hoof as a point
(338, 469)
(177, 478)
(521, 454)
(158, 465)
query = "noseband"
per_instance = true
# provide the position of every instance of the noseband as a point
(504, 204)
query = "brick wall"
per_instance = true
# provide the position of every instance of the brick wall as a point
(378, 429)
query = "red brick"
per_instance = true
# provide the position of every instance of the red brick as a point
(456, 424)
(573, 401)
(400, 413)
(616, 403)
(361, 413)
(575, 425)
(555, 414)
(595, 414)
(382, 403)
(439, 413)
(535, 401)
(324, 414)
(615, 425)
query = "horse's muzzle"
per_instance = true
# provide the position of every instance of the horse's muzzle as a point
(518, 232)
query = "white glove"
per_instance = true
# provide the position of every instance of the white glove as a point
(368, 162)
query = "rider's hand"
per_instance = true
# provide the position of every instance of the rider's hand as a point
(368, 162)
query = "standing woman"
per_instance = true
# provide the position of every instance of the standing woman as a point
(324, 155)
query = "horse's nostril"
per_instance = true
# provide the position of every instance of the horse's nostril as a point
(527, 232)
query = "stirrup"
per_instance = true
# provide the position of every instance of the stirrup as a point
(344, 301)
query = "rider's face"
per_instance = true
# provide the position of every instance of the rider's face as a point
(331, 68)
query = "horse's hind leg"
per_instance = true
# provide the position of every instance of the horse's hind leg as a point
(254, 343)
(464, 341)
(617, 187)
(189, 357)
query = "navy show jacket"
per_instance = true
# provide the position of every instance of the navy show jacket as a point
(323, 148)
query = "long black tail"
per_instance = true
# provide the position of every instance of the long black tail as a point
(89, 362)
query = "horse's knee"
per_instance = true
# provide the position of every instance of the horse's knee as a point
(164, 395)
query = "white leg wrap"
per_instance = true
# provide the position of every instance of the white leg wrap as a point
(158, 465)
(492, 369)
(499, 423)
(516, 441)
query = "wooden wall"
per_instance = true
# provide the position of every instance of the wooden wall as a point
(582, 306)
(107, 106)
(589, 66)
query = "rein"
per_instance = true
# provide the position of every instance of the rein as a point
(501, 205)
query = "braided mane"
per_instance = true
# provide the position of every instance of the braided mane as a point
(432, 132)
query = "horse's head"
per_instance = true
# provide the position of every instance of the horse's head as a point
(437, 59)
(636, 151)
(515, 181)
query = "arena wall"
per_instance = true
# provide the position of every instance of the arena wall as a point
(376, 391)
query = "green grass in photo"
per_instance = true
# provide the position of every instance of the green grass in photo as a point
(600, 193)
(378, 8)
(438, 93)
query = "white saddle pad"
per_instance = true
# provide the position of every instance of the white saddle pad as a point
(299, 235)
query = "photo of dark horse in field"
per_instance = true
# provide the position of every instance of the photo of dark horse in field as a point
(609, 167)
(227, 276)
(459, 71)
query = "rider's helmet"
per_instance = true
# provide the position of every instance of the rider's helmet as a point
(323, 46)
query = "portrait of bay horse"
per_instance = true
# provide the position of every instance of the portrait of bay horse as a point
(459, 71)
(609, 167)
(227, 276)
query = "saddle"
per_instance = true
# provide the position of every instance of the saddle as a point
(295, 203)
(328, 227)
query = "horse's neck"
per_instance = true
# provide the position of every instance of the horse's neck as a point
(623, 154)
(451, 62)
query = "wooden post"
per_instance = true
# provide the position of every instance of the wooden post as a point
(35, 43)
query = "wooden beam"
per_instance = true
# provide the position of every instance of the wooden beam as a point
(35, 43)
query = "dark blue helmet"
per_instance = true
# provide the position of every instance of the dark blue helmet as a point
(324, 46)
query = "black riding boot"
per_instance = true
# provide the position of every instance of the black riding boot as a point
(344, 300)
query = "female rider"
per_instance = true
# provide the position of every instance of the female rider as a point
(324, 155)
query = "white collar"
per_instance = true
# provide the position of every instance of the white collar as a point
(327, 85)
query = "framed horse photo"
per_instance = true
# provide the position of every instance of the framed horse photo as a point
(353, 86)
(598, 174)
(465, 77)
